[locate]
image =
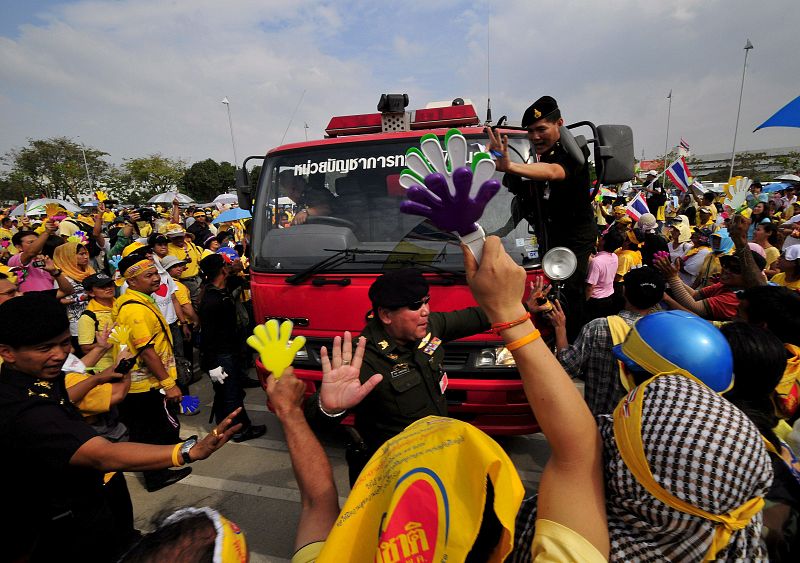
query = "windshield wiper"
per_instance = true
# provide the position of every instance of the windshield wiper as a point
(340, 257)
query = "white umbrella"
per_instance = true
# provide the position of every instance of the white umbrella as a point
(226, 198)
(169, 197)
(36, 207)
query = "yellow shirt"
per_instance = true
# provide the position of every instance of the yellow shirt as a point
(142, 319)
(108, 216)
(772, 254)
(7, 234)
(191, 254)
(627, 260)
(183, 296)
(780, 279)
(87, 330)
(96, 401)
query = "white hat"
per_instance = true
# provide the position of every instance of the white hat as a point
(648, 223)
(793, 252)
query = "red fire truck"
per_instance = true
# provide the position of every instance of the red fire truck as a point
(346, 188)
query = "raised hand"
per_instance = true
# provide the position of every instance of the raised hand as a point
(341, 387)
(114, 261)
(274, 346)
(737, 193)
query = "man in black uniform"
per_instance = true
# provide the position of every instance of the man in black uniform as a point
(403, 344)
(55, 506)
(558, 201)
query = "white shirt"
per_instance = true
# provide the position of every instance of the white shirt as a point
(692, 265)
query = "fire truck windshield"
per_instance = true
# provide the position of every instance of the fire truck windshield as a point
(316, 201)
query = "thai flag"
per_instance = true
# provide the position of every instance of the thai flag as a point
(684, 144)
(679, 173)
(637, 207)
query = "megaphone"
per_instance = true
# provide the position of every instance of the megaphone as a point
(559, 263)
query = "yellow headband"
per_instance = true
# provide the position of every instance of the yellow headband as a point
(230, 545)
(628, 436)
(138, 268)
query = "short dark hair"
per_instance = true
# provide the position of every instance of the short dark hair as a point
(612, 240)
(772, 232)
(16, 239)
(777, 308)
(187, 538)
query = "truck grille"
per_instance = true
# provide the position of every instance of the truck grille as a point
(455, 359)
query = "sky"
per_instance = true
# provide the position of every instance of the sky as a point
(137, 77)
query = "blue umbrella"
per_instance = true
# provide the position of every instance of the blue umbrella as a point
(775, 187)
(787, 116)
(232, 215)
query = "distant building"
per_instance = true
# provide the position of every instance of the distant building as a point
(703, 165)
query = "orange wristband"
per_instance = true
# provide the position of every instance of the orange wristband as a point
(497, 328)
(520, 342)
(176, 462)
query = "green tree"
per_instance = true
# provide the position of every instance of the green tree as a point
(789, 163)
(146, 176)
(52, 167)
(205, 180)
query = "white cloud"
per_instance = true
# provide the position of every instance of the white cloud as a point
(139, 76)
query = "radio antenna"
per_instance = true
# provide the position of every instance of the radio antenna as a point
(294, 112)
(488, 63)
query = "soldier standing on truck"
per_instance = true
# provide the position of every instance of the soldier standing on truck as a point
(557, 202)
(404, 344)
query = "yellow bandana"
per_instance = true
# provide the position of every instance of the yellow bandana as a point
(628, 437)
(787, 392)
(230, 545)
(139, 267)
(421, 497)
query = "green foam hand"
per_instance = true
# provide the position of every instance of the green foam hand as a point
(430, 158)
(274, 346)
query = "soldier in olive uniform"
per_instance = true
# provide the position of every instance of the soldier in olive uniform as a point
(404, 345)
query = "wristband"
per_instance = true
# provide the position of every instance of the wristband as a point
(326, 413)
(527, 339)
(176, 461)
(167, 384)
(497, 328)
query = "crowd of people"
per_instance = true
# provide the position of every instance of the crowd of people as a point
(684, 326)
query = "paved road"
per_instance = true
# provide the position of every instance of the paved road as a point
(253, 485)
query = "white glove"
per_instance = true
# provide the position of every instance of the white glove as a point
(218, 374)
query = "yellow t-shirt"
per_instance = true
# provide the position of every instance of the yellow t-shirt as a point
(96, 401)
(108, 216)
(627, 260)
(772, 254)
(142, 319)
(191, 254)
(7, 234)
(308, 553)
(183, 296)
(554, 542)
(780, 279)
(86, 330)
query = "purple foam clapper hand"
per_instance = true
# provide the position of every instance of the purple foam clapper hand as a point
(459, 212)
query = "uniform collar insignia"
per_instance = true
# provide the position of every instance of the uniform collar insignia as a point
(383, 344)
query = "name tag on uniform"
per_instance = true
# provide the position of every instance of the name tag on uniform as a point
(431, 347)
(443, 382)
(400, 370)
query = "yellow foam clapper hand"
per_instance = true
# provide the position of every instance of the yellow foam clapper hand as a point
(101, 196)
(52, 209)
(121, 335)
(275, 346)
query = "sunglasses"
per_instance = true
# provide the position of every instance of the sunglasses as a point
(416, 305)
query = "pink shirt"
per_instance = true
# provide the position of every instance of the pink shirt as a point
(602, 269)
(33, 279)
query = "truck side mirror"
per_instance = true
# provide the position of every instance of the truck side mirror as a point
(615, 149)
(243, 189)
(571, 145)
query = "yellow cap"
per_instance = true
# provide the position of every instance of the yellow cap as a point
(131, 248)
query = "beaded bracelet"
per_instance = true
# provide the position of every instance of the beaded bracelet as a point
(527, 339)
(497, 328)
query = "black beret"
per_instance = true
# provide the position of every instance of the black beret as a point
(31, 319)
(542, 108)
(398, 288)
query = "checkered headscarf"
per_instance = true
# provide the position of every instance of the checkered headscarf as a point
(701, 449)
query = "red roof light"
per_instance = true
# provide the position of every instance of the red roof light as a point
(354, 124)
(450, 116)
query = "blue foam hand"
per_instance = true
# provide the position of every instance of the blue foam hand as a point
(114, 261)
(459, 212)
(190, 404)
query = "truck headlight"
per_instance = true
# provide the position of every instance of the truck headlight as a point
(494, 357)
